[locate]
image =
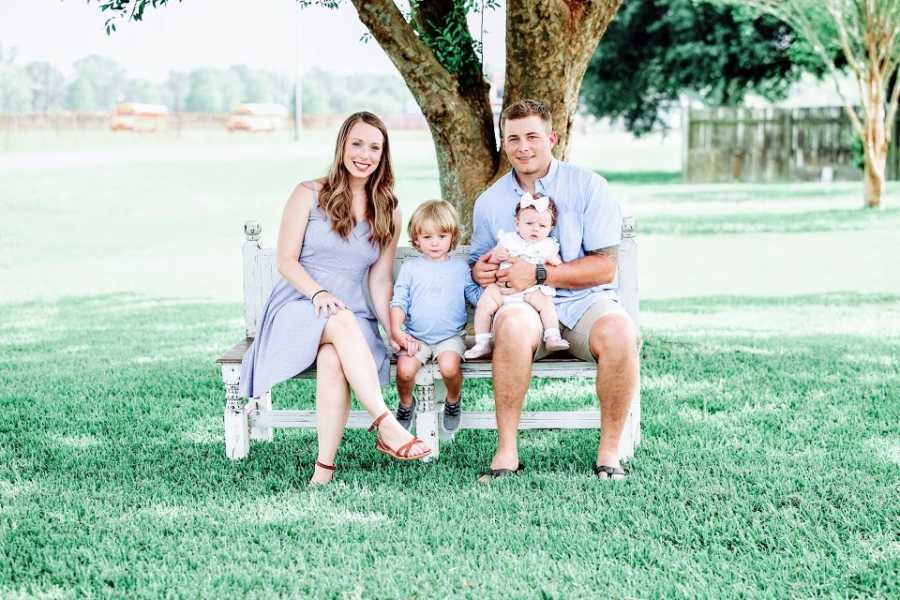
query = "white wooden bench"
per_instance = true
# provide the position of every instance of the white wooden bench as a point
(255, 420)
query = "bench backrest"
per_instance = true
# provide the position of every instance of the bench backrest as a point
(261, 273)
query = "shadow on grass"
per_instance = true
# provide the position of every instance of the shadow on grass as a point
(113, 479)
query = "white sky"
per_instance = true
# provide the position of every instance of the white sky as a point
(206, 33)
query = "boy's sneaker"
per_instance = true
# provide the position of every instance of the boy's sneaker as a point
(452, 416)
(477, 351)
(555, 344)
(405, 415)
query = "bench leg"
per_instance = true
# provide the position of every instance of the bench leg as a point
(426, 413)
(237, 427)
(262, 434)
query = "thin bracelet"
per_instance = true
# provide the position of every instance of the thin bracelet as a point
(313, 297)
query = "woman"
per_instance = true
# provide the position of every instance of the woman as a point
(339, 227)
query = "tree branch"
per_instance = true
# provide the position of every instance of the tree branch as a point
(422, 72)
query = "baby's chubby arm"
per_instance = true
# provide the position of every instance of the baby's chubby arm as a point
(498, 254)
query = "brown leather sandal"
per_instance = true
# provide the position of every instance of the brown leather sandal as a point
(322, 465)
(401, 453)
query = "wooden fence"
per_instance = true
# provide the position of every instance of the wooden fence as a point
(772, 144)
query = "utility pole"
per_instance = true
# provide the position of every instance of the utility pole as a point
(298, 77)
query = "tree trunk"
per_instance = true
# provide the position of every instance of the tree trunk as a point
(549, 44)
(876, 163)
(875, 140)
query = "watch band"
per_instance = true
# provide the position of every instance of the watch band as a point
(540, 274)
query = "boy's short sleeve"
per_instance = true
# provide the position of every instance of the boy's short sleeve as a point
(602, 224)
(400, 297)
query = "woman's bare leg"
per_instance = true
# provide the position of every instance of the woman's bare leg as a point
(332, 409)
(343, 332)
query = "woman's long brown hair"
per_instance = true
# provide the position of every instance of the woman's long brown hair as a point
(335, 197)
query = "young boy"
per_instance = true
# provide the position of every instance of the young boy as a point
(430, 300)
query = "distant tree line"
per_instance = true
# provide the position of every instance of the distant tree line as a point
(99, 82)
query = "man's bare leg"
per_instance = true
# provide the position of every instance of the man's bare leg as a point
(517, 333)
(613, 340)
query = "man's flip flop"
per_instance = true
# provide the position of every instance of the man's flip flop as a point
(492, 474)
(605, 472)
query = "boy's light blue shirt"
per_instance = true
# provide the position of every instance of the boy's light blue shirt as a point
(589, 218)
(433, 294)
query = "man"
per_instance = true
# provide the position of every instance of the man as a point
(593, 321)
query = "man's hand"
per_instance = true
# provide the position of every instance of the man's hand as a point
(484, 272)
(519, 276)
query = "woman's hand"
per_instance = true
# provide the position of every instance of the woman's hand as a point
(326, 304)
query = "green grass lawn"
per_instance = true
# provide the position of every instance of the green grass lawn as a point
(769, 466)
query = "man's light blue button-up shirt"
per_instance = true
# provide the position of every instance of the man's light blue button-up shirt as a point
(589, 219)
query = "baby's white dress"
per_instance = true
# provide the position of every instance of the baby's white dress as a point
(537, 253)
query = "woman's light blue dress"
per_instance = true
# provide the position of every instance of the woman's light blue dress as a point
(289, 330)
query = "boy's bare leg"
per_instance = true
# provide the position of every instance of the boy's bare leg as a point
(448, 363)
(407, 367)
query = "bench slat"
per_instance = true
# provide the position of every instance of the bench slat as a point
(557, 366)
(360, 419)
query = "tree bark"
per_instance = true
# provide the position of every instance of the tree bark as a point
(549, 44)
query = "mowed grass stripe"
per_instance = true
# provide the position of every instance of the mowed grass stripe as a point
(768, 467)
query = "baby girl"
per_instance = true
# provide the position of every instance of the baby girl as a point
(535, 218)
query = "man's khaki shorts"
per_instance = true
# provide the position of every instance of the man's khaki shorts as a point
(427, 352)
(579, 336)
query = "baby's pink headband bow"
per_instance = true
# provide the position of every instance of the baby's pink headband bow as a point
(539, 204)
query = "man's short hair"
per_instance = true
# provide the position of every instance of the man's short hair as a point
(526, 107)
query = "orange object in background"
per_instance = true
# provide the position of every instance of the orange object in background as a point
(133, 116)
(257, 117)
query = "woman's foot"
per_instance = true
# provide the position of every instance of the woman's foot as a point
(395, 441)
(322, 474)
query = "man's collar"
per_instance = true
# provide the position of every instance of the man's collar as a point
(542, 184)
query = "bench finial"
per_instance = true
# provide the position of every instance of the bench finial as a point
(253, 230)
(629, 225)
